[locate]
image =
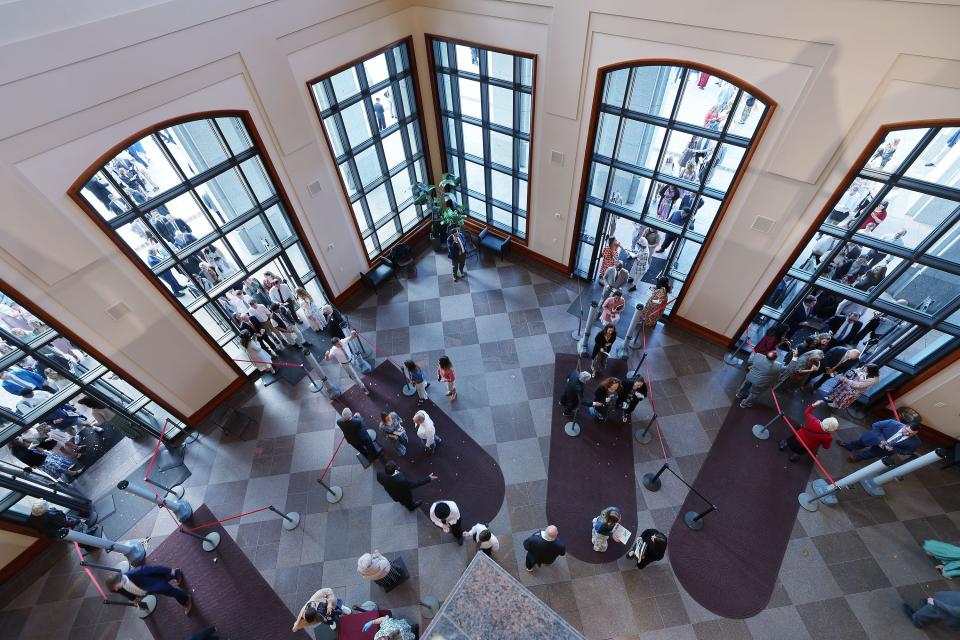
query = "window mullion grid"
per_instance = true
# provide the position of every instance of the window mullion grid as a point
(181, 174)
(515, 148)
(485, 135)
(457, 119)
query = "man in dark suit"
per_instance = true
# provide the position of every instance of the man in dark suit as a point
(845, 329)
(573, 392)
(399, 487)
(798, 317)
(838, 360)
(352, 426)
(885, 437)
(543, 547)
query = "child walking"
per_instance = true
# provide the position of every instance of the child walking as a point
(446, 373)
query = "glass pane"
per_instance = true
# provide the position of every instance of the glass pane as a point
(606, 138)
(345, 84)
(393, 150)
(330, 126)
(413, 135)
(929, 344)
(725, 166)
(155, 417)
(894, 149)
(320, 93)
(688, 253)
(346, 174)
(855, 200)
(368, 165)
(143, 241)
(313, 288)
(18, 322)
(526, 71)
(356, 124)
(502, 219)
(402, 189)
(235, 133)
(860, 267)
(195, 146)
(257, 178)
(502, 187)
(615, 87)
(376, 69)
(103, 197)
(525, 112)
(905, 217)
(749, 112)
(468, 58)
(408, 218)
(784, 296)
(407, 96)
(279, 222)
(475, 179)
(371, 248)
(387, 234)
(500, 65)
(640, 143)
(523, 154)
(469, 97)
(212, 265)
(705, 214)
(598, 180)
(184, 217)
(591, 224)
(501, 149)
(384, 111)
(522, 195)
(142, 169)
(686, 157)
(501, 106)
(359, 216)
(251, 240)
(225, 196)
(477, 208)
(924, 289)
(25, 386)
(446, 95)
(706, 101)
(378, 203)
(939, 162)
(67, 357)
(473, 139)
(814, 254)
(654, 90)
(450, 134)
(628, 190)
(299, 260)
(177, 281)
(211, 320)
(400, 61)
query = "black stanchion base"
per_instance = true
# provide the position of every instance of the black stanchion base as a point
(366, 462)
(642, 436)
(690, 519)
(651, 482)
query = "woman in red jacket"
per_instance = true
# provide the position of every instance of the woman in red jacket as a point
(815, 433)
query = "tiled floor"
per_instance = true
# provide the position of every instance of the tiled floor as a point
(843, 576)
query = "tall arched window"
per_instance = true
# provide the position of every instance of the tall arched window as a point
(880, 271)
(195, 203)
(669, 143)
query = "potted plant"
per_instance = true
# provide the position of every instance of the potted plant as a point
(441, 201)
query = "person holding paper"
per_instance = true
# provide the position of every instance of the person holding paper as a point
(603, 527)
(649, 547)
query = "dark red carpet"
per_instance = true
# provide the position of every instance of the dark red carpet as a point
(591, 471)
(468, 474)
(731, 565)
(227, 591)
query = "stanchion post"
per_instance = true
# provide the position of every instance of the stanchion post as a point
(636, 370)
(731, 357)
(146, 605)
(176, 491)
(334, 493)
(694, 520)
(591, 318)
(824, 492)
(652, 481)
(329, 389)
(630, 341)
(133, 550)
(180, 508)
(643, 435)
(290, 520)
(210, 541)
(873, 485)
(105, 567)
(572, 428)
(762, 431)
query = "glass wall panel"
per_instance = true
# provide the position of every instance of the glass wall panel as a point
(484, 102)
(374, 104)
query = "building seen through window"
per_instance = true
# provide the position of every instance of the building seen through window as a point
(371, 120)
(881, 272)
(195, 203)
(669, 144)
(485, 99)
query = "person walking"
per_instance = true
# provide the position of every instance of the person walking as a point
(641, 261)
(573, 392)
(311, 312)
(602, 345)
(340, 351)
(259, 357)
(612, 307)
(609, 256)
(631, 395)
(851, 387)
(150, 580)
(399, 487)
(391, 426)
(650, 546)
(417, 380)
(605, 398)
(285, 323)
(763, 373)
(323, 607)
(375, 566)
(615, 277)
(656, 303)
(457, 252)
(447, 374)
(335, 323)
(884, 438)
(378, 113)
(603, 526)
(426, 431)
(354, 432)
(486, 541)
(814, 433)
(543, 547)
(446, 515)
(943, 606)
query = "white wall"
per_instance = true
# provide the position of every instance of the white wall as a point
(73, 87)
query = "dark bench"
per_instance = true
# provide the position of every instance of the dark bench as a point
(379, 274)
(493, 242)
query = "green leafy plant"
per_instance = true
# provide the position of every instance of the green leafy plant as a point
(442, 203)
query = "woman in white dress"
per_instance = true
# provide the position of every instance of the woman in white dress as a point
(310, 310)
(261, 359)
(641, 261)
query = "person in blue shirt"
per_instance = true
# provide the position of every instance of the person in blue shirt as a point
(17, 380)
(416, 379)
(884, 438)
(680, 217)
(153, 259)
(603, 526)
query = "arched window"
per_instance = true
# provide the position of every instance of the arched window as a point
(669, 142)
(195, 203)
(880, 271)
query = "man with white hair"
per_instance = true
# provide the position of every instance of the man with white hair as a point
(543, 547)
(352, 426)
(375, 566)
(340, 351)
(426, 431)
(573, 392)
